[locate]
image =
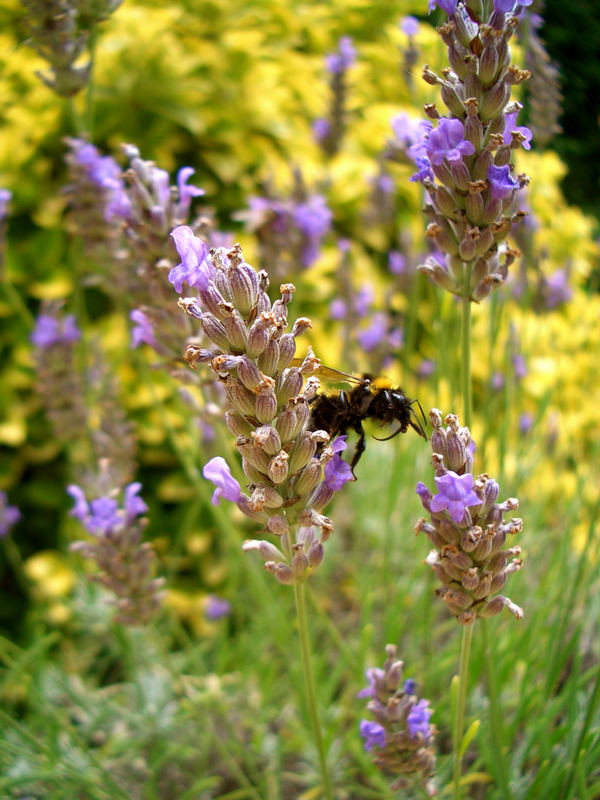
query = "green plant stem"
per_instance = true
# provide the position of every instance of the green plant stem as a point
(496, 725)
(467, 632)
(459, 711)
(465, 361)
(309, 682)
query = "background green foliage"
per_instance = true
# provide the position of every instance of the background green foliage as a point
(193, 709)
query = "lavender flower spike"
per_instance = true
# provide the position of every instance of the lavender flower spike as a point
(292, 471)
(401, 738)
(126, 564)
(469, 557)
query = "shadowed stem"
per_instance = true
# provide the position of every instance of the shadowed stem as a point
(459, 712)
(309, 682)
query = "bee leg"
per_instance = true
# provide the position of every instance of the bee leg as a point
(360, 446)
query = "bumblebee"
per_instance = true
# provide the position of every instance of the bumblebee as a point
(342, 411)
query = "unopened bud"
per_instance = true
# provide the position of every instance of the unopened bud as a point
(278, 467)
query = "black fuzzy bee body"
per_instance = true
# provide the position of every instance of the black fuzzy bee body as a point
(343, 411)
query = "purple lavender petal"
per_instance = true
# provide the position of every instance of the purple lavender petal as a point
(217, 471)
(373, 733)
(143, 330)
(133, 505)
(409, 25)
(501, 182)
(216, 608)
(455, 494)
(510, 125)
(418, 719)
(337, 472)
(194, 269)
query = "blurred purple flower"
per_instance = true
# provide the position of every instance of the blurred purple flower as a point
(449, 6)
(418, 719)
(345, 57)
(426, 368)
(373, 733)
(409, 130)
(362, 300)
(321, 129)
(9, 515)
(313, 219)
(217, 471)
(50, 330)
(5, 198)
(557, 289)
(447, 141)
(384, 183)
(337, 309)
(410, 685)
(371, 337)
(216, 608)
(186, 193)
(501, 181)
(409, 25)
(519, 366)
(373, 674)
(103, 514)
(105, 173)
(337, 472)
(525, 423)
(497, 381)
(143, 330)
(397, 262)
(193, 269)
(455, 495)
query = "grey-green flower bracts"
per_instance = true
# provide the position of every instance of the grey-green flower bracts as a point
(467, 528)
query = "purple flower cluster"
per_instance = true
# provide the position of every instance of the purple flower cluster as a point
(104, 174)
(104, 515)
(373, 330)
(344, 58)
(126, 564)
(51, 330)
(400, 737)
(293, 228)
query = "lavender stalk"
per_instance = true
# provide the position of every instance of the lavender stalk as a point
(292, 472)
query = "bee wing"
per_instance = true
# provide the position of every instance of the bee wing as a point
(329, 374)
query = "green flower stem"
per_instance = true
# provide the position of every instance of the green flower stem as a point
(309, 683)
(459, 711)
(465, 360)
